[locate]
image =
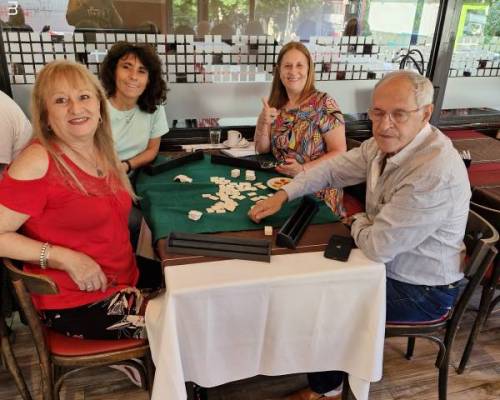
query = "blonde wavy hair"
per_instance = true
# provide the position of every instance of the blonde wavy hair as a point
(76, 75)
(278, 97)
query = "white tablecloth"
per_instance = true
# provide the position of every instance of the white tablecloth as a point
(228, 320)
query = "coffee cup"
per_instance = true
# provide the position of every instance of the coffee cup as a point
(233, 138)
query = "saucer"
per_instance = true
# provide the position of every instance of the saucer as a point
(241, 145)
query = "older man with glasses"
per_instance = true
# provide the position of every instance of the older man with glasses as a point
(417, 204)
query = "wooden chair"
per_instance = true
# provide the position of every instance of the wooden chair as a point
(10, 361)
(490, 283)
(6, 354)
(61, 356)
(480, 238)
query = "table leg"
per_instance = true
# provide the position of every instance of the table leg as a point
(346, 389)
(200, 393)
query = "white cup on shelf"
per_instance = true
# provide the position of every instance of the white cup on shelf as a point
(233, 138)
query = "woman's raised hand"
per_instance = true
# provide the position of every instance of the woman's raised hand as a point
(268, 114)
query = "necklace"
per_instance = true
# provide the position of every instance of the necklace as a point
(126, 115)
(129, 115)
(99, 171)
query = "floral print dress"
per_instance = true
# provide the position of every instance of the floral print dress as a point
(299, 133)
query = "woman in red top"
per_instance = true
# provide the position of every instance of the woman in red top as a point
(64, 205)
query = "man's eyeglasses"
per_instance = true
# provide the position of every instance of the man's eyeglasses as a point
(396, 116)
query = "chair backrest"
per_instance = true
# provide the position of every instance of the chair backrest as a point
(480, 239)
(491, 214)
(484, 197)
(480, 236)
(25, 283)
(37, 284)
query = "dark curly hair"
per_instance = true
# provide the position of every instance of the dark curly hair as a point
(156, 89)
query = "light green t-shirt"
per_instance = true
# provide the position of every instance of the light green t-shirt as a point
(132, 129)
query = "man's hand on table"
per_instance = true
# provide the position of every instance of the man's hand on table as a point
(270, 206)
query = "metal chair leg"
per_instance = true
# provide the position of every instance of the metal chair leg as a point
(486, 298)
(443, 379)
(410, 347)
(492, 306)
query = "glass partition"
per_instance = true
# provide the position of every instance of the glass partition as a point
(227, 42)
(473, 86)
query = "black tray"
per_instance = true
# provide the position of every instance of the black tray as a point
(249, 162)
(295, 225)
(219, 246)
(172, 163)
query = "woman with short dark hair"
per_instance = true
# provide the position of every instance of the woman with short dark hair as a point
(131, 76)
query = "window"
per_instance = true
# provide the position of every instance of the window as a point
(473, 85)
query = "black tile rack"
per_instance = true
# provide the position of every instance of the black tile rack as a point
(172, 163)
(249, 162)
(292, 230)
(219, 246)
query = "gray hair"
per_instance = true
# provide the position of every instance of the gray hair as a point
(424, 91)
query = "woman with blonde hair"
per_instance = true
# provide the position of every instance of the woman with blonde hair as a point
(300, 125)
(64, 204)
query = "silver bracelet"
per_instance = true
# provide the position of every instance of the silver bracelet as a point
(44, 255)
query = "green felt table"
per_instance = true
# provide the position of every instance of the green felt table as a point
(165, 203)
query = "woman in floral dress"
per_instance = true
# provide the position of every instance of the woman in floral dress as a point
(300, 125)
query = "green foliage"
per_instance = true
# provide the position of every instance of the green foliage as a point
(233, 12)
(289, 14)
(185, 12)
(492, 27)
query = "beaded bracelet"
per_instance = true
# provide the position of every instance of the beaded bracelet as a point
(44, 255)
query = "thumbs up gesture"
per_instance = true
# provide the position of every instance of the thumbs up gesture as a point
(268, 114)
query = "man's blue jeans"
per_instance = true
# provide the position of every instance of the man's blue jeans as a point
(405, 303)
